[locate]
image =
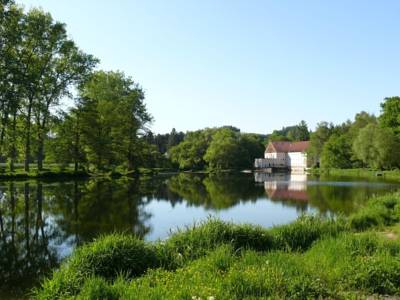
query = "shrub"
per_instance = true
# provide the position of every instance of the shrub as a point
(366, 219)
(300, 234)
(107, 257)
(378, 212)
(198, 240)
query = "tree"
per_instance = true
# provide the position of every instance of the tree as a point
(38, 65)
(318, 138)
(11, 24)
(189, 154)
(336, 153)
(60, 63)
(64, 146)
(113, 116)
(299, 132)
(390, 114)
(174, 138)
(224, 151)
(377, 147)
(252, 147)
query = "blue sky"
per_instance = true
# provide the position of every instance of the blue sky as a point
(257, 65)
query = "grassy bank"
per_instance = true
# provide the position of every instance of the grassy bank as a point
(361, 173)
(69, 173)
(310, 258)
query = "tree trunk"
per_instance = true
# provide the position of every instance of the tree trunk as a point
(76, 147)
(40, 156)
(41, 137)
(28, 136)
(13, 147)
(27, 223)
(39, 217)
(3, 133)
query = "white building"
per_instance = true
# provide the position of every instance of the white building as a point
(290, 155)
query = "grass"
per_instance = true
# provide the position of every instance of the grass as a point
(311, 258)
(54, 171)
(358, 172)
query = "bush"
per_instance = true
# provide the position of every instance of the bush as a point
(379, 212)
(107, 257)
(301, 234)
(198, 240)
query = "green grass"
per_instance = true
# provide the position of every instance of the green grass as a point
(55, 171)
(311, 258)
(52, 171)
(361, 173)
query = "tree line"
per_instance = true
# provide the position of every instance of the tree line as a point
(366, 142)
(217, 148)
(39, 67)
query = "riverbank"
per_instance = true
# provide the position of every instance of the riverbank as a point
(313, 257)
(57, 174)
(361, 173)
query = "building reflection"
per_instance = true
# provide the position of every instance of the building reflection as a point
(283, 187)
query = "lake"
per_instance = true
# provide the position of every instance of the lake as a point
(42, 222)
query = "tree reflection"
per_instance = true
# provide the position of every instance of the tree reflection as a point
(216, 191)
(40, 223)
(26, 253)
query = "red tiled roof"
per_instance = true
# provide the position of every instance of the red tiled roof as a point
(288, 146)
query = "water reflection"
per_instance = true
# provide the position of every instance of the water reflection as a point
(325, 195)
(25, 237)
(42, 222)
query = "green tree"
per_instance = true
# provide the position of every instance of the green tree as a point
(318, 138)
(224, 151)
(11, 93)
(299, 132)
(65, 145)
(252, 147)
(189, 154)
(336, 152)
(390, 114)
(377, 147)
(113, 116)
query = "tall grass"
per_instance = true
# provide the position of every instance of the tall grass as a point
(313, 257)
(379, 212)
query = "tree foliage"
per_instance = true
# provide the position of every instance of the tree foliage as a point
(217, 148)
(113, 115)
(377, 147)
(39, 64)
(298, 132)
(390, 116)
(336, 152)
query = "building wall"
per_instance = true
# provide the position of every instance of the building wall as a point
(292, 160)
(297, 160)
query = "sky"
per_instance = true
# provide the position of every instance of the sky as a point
(257, 65)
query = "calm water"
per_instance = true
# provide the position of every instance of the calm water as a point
(42, 222)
